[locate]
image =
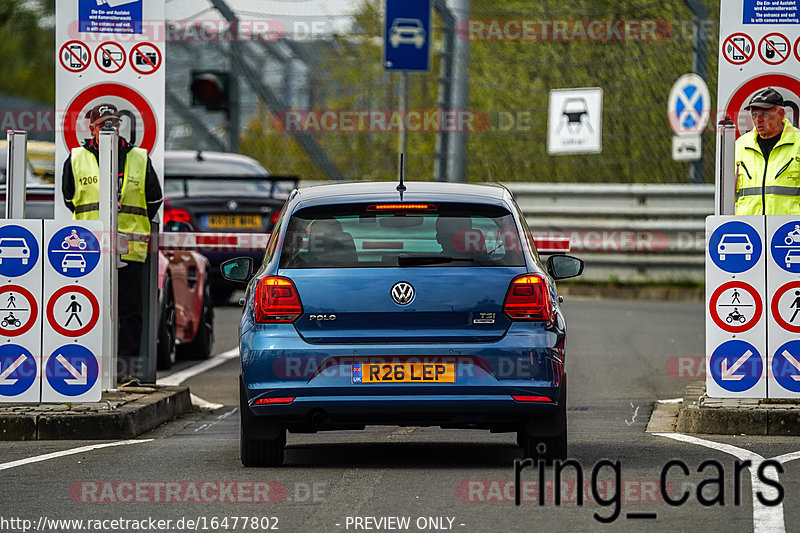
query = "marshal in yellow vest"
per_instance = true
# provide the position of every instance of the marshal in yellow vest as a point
(774, 188)
(132, 217)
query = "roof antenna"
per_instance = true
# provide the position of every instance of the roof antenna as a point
(401, 187)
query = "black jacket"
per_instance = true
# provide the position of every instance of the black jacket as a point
(152, 189)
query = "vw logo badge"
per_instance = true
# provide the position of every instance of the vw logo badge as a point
(232, 205)
(402, 292)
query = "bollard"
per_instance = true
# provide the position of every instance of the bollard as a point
(725, 191)
(17, 159)
(109, 198)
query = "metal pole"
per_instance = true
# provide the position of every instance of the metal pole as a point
(725, 190)
(16, 161)
(440, 170)
(403, 110)
(700, 51)
(107, 159)
(234, 106)
(457, 151)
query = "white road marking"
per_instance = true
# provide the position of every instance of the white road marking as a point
(671, 400)
(73, 451)
(179, 377)
(765, 518)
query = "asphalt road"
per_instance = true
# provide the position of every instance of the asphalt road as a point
(619, 353)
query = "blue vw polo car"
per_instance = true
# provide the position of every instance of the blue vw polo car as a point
(425, 305)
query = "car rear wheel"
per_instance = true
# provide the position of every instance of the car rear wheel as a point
(165, 347)
(546, 438)
(200, 346)
(255, 450)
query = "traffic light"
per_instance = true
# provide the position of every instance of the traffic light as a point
(211, 88)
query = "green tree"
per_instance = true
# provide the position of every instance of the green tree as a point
(27, 43)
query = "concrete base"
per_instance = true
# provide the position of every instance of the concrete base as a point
(700, 414)
(122, 414)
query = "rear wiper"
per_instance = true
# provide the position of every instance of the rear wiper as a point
(417, 260)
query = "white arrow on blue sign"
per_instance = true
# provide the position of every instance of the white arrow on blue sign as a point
(71, 370)
(689, 104)
(736, 366)
(17, 370)
(786, 366)
(407, 35)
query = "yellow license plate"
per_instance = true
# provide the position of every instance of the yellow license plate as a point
(404, 373)
(234, 221)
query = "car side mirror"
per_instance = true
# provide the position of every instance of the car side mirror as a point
(238, 269)
(564, 266)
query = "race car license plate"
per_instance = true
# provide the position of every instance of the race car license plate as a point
(404, 373)
(233, 221)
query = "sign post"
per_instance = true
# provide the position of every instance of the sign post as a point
(688, 110)
(736, 317)
(20, 310)
(16, 164)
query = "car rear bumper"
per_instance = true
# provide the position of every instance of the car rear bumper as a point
(320, 379)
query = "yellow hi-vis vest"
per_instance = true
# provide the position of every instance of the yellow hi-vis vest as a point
(132, 217)
(774, 188)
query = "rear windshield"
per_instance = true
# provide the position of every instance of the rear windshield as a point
(370, 235)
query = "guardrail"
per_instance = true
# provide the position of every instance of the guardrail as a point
(629, 233)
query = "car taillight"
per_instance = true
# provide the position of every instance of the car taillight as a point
(527, 298)
(175, 214)
(267, 401)
(274, 218)
(522, 398)
(277, 300)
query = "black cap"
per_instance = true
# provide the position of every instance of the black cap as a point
(101, 113)
(765, 99)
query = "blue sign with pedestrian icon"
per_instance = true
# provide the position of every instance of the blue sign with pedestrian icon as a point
(19, 251)
(73, 251)
(786, 366)
(735, 247)
(736, 365)
(71, 370)
(407, 35)
(17, 370)
(785, 246)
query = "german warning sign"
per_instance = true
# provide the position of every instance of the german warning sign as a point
(785, 246)
(75, 56)
(73, 310)
(735, 247)
(74, 251)
(145, 58)
(785, 306)
(138, 122)
(786, 366)
(736, 366)
(797, 49)
(71, 370)
(738, 48)
(18, 371)
(18, 310)
(788, 86)
(19, 251)
(110, 57)
(735, 306)
(774, 49)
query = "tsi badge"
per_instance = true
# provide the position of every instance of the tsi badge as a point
(322, 317)
(483, 318)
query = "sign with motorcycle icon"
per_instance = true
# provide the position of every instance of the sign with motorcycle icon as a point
(736, 321)
(20, 309)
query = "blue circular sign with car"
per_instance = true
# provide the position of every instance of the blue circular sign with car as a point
(735, 247)
(19, 251)
(73, 251)
(785, 246)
